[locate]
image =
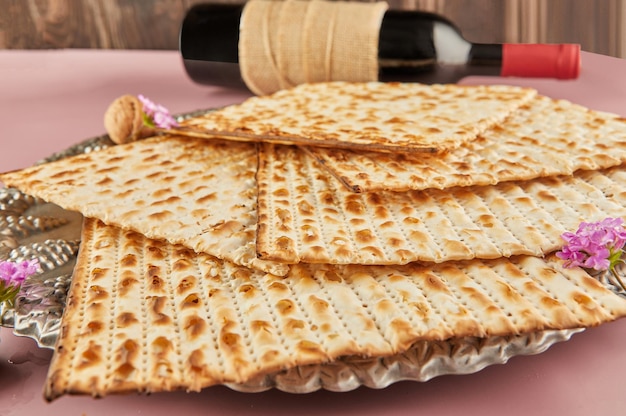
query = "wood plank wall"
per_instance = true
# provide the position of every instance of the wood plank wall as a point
(598, 25)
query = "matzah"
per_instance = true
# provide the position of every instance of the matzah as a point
(185, 190)
(147, 316)
(545, 137)
(377, 116)
(305, 215)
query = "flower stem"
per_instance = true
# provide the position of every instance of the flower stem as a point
(619, 280)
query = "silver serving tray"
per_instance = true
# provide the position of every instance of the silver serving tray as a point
(31, 228)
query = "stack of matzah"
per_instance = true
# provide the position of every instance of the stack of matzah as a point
(208, 261)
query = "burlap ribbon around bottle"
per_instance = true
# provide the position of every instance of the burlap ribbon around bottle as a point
(286, 43)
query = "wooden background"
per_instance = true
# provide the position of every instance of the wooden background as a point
(598, 25)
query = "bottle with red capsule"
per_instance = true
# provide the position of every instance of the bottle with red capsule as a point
(413, 46)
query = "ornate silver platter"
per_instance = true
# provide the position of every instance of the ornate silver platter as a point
(31, 228)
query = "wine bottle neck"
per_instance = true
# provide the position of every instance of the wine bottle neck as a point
(450, 46)
(485, 54)
(415, 36)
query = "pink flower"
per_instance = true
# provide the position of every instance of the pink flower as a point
(596, 245)
(12, 275)
(156, 115)
(15, 273)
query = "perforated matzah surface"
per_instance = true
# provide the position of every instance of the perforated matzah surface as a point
(305, 215)
(544, 137)
(144, 315)
(195, 192)
(372, 115)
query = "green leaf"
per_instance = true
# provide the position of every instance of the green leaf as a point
(147, 120)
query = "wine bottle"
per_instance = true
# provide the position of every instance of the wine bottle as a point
(414, 46)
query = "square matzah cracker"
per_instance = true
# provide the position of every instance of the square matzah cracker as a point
(374, 115)
(544, 137)
(306, 215)
(146, 316)
(195, 192)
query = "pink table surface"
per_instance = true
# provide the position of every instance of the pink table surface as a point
(50, 100)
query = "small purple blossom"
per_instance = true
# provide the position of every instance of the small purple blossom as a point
(595, 245)
(12, 275)
(156, 115)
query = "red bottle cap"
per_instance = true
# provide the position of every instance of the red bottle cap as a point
(560, 61)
